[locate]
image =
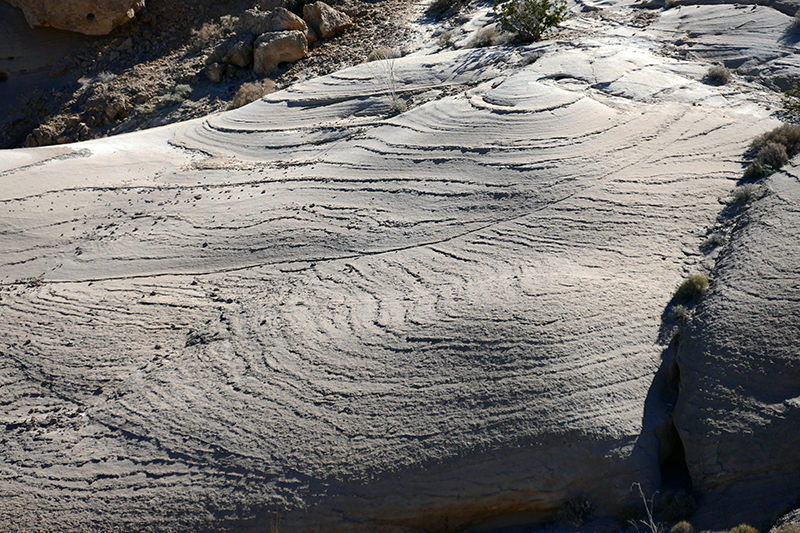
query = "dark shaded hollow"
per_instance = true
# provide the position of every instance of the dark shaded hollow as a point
(674, 470)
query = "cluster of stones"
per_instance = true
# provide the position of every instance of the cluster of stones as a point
(264, 39)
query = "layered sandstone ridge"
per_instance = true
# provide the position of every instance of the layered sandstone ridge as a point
(310, 311)
(739, 407)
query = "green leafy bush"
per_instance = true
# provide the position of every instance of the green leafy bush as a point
(529, 19)
(692, 288)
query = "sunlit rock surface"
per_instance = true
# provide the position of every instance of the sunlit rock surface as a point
(311, 313)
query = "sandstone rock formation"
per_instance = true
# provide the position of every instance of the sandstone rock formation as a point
(278, 47)
(256, 22)
(309, 313)
(325, 20)
(738, 411)
(92, 17)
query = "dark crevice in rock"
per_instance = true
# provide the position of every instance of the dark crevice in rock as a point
(672, 462)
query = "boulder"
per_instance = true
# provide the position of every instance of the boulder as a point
(92, 17)
(285, 20)
(237, 51)
(214, 72)
(325, 20)
(278, 47)
(257, 22)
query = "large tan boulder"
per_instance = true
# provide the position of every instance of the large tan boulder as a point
(278, 47)
(325, 20)
(256, 22)
(92, 17)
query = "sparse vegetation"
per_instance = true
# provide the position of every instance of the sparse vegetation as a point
(381, 53)
(250, 92)
(677, 507)
(692, 288)
(489, 36)
(386, 80)
(712, 241)
(575, 511)
(719, 74)
(773, 150)
(747, 193)
(743, 528)
(678, 313)
(787, 135)
(669, 4)
(528, 20)
(446, 39)
(788, 528)
(178, 96)
(650, 523)
(682, 527)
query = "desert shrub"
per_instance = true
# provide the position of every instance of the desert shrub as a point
(743, 528)
(712, 241)
(529, 19)
(719, 74)
(677, 507)
(575, 511)
(489, 36)
(787, 135)
(382, 53)
(756, 171)
(669, 4)
(250, 92)
(747, 193)
(446, 39)
(692, 288)
(682, 527)
(178, 96)
(772, 154)
(678, 312)
(207, 32)
(788, 528)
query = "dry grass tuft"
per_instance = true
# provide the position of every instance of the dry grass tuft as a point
(250, 92)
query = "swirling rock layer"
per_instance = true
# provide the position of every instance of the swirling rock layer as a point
(309, 312)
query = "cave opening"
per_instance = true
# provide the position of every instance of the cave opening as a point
(675, 475)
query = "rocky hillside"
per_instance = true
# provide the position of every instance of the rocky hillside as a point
(61, 87)
(431, 293)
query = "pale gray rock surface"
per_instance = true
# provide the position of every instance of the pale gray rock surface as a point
(308, 312)
(92, 17)
(739, 407)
